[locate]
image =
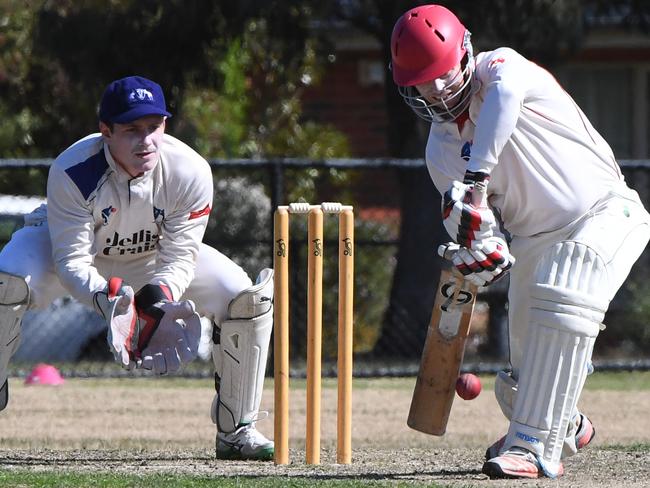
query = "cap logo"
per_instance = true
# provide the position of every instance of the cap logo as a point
(140, 95)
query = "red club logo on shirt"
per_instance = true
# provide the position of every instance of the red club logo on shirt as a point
(496, 61)
(200, 213)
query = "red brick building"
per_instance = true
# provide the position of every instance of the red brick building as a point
(609, 78)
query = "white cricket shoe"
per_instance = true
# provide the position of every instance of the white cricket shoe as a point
(515, 463)
(586, 433)
(244, 443)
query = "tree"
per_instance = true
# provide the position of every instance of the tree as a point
(182, 44)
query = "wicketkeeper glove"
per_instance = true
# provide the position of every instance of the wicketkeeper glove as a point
(116, 304)
(170, 331)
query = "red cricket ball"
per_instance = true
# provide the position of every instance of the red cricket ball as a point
(468, 386)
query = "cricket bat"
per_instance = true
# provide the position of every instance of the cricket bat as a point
(444, 347)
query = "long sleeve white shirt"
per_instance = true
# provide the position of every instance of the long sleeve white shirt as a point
(99, 213)
(548, 165)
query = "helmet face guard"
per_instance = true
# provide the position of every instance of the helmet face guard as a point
(447, 108)
(427, 43)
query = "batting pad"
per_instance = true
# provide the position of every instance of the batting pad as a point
(505, 391)
(14, 300)
(567, 308)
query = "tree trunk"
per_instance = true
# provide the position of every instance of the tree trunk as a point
(417, 270)
(418, 267)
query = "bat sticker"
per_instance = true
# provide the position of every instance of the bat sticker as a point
(463, 297)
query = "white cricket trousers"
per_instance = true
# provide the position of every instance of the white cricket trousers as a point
(217, 279)
(606, 228)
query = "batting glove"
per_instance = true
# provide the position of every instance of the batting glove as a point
(116, 304)
(170, 331)
(466, 222)
(485, 265)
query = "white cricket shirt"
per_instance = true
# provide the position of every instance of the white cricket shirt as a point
(548, 164)
(153, 223)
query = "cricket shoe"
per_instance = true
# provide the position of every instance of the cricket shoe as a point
(244, 443)
(516, 462)
(586, 433)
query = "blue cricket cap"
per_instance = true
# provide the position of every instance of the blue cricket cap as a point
(130, 98)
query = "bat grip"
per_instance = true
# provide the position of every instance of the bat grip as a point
(479, 195)
(448, 250)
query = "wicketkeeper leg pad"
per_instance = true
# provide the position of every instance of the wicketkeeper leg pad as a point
(14, 300)
(240, 350)
(567, 308)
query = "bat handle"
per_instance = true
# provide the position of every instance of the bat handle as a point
(448, 250)
(479, 195)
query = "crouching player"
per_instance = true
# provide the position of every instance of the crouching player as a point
(122, 230)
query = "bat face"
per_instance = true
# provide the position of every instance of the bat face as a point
(442, 355)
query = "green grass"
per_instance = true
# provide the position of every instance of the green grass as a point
(616, 381)
(19, 479)
(619, 381)
(629, 448)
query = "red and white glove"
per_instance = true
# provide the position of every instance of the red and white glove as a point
(466, 218)
(170, 331)
(483, 266)
(116, 304)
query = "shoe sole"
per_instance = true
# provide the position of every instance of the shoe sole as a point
(263, 455)
(495, 471)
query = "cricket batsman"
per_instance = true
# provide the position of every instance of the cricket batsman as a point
(556, 200)
(126, 212)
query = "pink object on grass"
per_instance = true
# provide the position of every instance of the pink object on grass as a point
(44, 374)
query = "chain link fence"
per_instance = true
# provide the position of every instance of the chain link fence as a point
(246, 193)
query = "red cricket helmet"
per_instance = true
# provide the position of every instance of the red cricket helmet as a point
(426, 43)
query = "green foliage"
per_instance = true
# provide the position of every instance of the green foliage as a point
(373, 272)
(257, 111)
(241, 64)
(628, 321)
(218, 118)
(23, 181)
(240, 227)
(240, 223)
(618, 381)
(17, 121)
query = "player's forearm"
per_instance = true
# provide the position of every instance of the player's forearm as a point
(80, 279)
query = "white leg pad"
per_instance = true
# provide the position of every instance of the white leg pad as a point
(14, 300)
(240, 355)
(567, 308)
(505, 391)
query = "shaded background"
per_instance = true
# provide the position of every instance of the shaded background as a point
(294, 100)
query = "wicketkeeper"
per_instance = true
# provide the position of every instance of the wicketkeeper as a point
(555, 188)
(121, 232)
